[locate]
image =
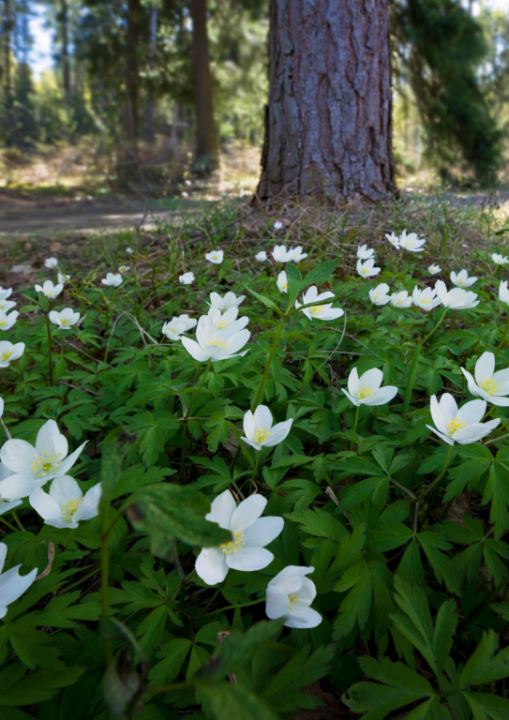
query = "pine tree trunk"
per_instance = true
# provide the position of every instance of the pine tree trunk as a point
(151, 63)
(328, 125)
(207, 150)
(66, 73)
(132, 72)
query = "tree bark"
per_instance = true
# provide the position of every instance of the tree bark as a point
(328, 124)
(132, 70)
(151, 63)
(207, 150)
(66, 73)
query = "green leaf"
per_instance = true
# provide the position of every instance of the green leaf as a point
(172, 654)
(320, 273)
(484, 666)
(484, 705)
(38, 686)
(224, 701)
(294, 281)
(411, 380)
(168, 512)
(114, 448)
(265, 300)
(319, 523)
(356, 606)
(497, 490)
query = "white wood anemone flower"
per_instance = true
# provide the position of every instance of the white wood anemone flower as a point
(6, 305)
(365, 253)
(222, 319)
(51, 263)
(278, 225)
(367, 268)
(379, 295)
(215, 257)
(289, 595)
(318, 311)
(250, 534)
(425, 299)
(411, 242)
(280, 253)
(503, 292)
(123, 268)
(112, 279)
(463, 426)
(434, 269)
(49, 290)
(32, 467)
(282, 282)
(457, 298)
(7, 321)
(260, 432)
(187, 278)
(401, 299)
(226, 302)
(6, 505)
(295, 254)
(462, 279)
(213, 344)
(5, 293)
(12, 584)
(64, 319)
(499, 259)
(393, 239)
(174, 328)
(62, 278)
(65, 505)
(10, 352)
(261, 256)
(489, 385)
(366, 390)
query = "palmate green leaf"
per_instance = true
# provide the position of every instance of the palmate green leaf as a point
(445, 571)
(497, 490)
(319, 523)
(356, 607)
(36, 687)
(224, 701)
(320, 273)
(168, 512)
(265, 300)
(294, 281)
(401, 687)
(172, 655)
(283, 692)
(485, 706)
(484, 666)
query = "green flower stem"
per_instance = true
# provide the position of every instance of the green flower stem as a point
(255, 469)
(259, 394)
(437, 480)
(105, 609)
(503, 337)
(436, 326)
(355, 426)
(234, 607)
(409, 328)
(50, 360)
(6, 522)
(185, 418)
(18, 521)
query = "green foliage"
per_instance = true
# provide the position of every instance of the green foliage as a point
(406, 535)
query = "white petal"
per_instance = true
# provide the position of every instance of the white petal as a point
(263, 531)
(276, 603)
(18, 455)
(381, 396)
(63, 489)
(70, 460)
(473, 433)
(484, 367)
(442, 436)
(13, 585)
(472, 412)
(303, 618)
(249, 424)
(372, 379)
(262, 417)
(195, 350)
(249, 559)
(3, 555)
(211, 566)
(222, 509)
(279, 433)
(18, 486)
(89, 507)
(449, 410)
(45, 505)
(472, 387)
(248, 511)
(45, 437)
(352, 399)
(353, 382)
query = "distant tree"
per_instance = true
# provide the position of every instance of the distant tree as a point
(328, 123)
(440, 48)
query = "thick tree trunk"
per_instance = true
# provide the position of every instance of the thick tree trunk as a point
(151, 63)
(328, 125)
(207, 150)
(132, 72)
(66, 72)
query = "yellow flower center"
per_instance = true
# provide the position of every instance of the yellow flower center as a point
(460, 283)
(425, 300)
(260, 435)
(455, 425)
(364, 392)
(45, 462)
(221, 325)
(375, 297)
(316, 309)
(364, 271)
(5, 356)
(70, 508)
(218, 343)
(64, 322)
(490, 386)
(292, 599)
(237, 543)
(284, 286)
(3, 323)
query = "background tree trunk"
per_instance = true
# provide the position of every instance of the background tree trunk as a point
(151, 64)
(328, 125)
(66, 72)
(207, 150)
(132, 71)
